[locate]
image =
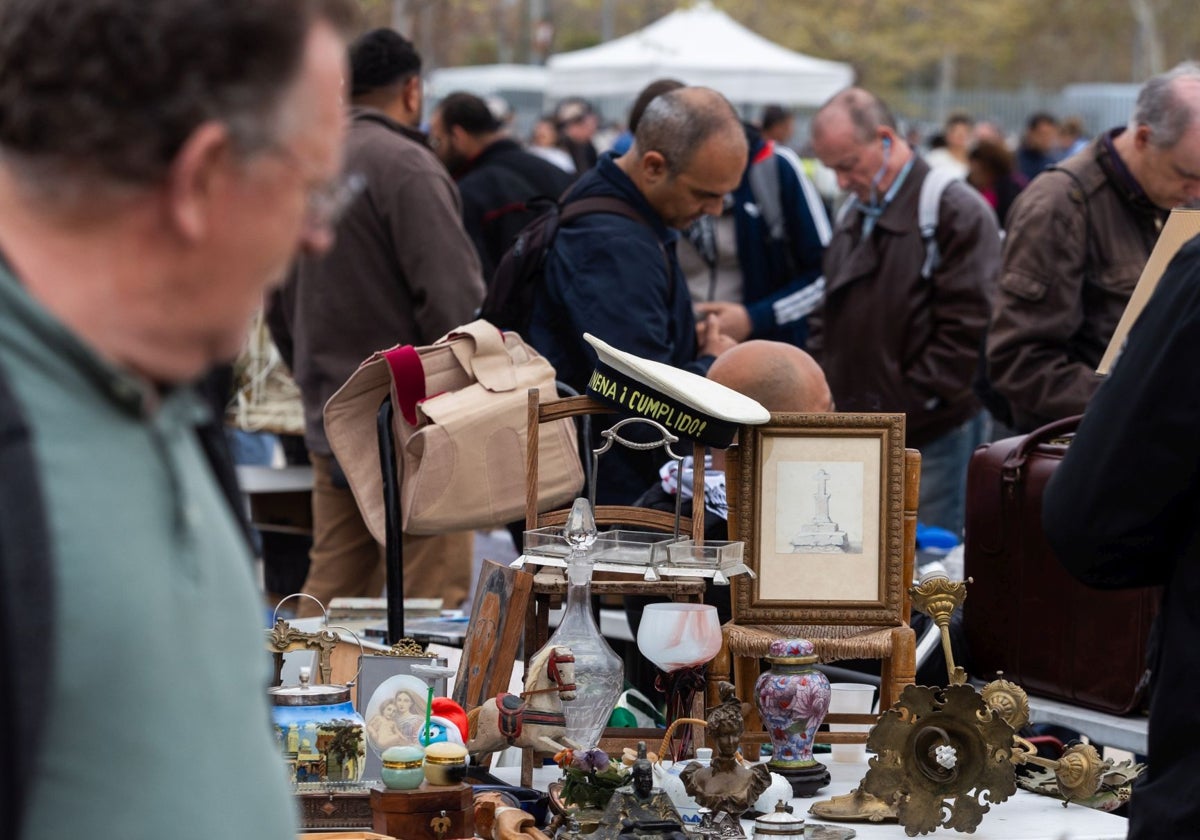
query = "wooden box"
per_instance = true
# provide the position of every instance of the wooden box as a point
(416, 814)
(334, 810)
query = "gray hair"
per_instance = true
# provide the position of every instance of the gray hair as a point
(104, 93)
(867, 112)
(1162, 109)
(675, 124)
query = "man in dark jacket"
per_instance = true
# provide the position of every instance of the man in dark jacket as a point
(1120, 512)
(893, 333)
(495, 175)
(402, 271)
(619, 279)
(1078, 238)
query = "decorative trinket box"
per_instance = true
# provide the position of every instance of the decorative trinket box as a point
(428, 813)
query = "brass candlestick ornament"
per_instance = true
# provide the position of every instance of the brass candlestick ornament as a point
(944, 755)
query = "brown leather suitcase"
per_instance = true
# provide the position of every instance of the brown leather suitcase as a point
(1024, 614)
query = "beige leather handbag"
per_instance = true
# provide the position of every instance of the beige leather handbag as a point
(459, 425)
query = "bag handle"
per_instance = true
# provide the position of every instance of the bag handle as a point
(1017, 458)
(408, 379)
(488, 362)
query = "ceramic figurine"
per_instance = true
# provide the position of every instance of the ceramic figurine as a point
(535, 719)
(793, 698)
(640, 800)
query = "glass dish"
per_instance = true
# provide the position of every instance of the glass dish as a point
(621, 547)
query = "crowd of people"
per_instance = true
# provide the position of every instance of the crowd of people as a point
(258, 152)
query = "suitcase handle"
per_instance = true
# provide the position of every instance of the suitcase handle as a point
(1016, 459)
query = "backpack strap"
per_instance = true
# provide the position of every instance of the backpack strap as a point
(572, 210)
(932, 188)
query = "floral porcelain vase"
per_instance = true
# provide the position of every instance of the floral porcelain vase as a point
(793, 698)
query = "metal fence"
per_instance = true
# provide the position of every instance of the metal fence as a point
(1099, 106)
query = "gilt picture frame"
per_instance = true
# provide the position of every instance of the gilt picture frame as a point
(818, 500)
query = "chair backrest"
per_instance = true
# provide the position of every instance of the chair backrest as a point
(655, 520)
(827, 507)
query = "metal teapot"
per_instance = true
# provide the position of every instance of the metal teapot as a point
(321, 736)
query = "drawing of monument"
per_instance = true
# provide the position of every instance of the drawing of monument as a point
(821, 533)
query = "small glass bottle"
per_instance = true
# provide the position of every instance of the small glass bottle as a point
(599, 672)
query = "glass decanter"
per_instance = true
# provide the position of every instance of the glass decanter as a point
(599, 673)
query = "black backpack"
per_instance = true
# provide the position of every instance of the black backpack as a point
(509, 300)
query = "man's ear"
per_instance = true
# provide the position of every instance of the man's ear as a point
(1141, 137)
(654, 166)
(194, 177)
(412, 96)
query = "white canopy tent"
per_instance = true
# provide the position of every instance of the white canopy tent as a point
(699, 46)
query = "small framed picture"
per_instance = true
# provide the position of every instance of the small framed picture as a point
(818, 500)
(392, 700)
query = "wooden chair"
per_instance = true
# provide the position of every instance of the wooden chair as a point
(550, 583)
(888, 639)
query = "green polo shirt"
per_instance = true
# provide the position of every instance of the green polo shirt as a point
(158, 721)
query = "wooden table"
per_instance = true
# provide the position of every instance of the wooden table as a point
(280, 497)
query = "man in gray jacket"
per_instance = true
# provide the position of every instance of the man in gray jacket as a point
(404, 271)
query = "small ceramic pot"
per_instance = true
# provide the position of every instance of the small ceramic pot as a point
(403, 768)
(445, 763)
(780, 825)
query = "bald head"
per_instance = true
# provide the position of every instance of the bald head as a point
(865, 111)
(676, 124)
(782, 377)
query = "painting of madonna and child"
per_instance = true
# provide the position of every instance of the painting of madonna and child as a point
(821, 526)
(396, 713)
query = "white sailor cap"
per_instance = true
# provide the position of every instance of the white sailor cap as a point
(688, 405)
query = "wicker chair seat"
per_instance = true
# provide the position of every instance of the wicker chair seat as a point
(831, 643)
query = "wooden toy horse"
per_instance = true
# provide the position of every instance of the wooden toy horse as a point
(534, 719)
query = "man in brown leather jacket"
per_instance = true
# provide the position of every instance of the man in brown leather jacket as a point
(1078, 238)
(890, 335)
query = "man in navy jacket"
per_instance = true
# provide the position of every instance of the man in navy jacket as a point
(619, 279)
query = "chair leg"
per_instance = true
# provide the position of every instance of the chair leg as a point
(718, 672)
(901, 669)
(745, 675)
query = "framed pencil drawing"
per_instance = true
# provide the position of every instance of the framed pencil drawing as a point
(818, 500)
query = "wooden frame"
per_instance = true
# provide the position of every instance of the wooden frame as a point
(493, 634)
(383, 676)
(850, 545)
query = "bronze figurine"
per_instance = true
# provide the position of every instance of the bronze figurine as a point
(726, 785)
